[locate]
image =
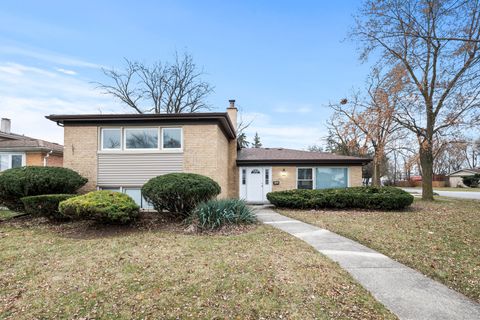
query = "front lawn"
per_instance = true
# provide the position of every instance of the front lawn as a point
(440, 239)
(6, 214)
(153, 270)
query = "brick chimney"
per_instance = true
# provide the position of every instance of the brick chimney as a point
(5, 125)
(232, 113)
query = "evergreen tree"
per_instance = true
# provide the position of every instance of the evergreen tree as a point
(256, 141)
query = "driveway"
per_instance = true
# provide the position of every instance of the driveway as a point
(450, 194)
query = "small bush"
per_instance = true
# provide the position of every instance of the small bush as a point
(471, 181)
(22, 182)
(384, 198)
(179, 193)
(103, 206)
(46, 205)
(215, 213)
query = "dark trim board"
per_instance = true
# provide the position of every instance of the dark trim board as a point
(305, 162)
(220, 118)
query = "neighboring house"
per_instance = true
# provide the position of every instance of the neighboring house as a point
(456, 178)
(18, 150)
(123, 151)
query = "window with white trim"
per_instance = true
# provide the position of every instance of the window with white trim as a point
(111, 138)
(244, 176)
(304, 178)
(172, 138)
(267, 176)
(334, 177)
(11, 160)
(141, 138)
(133, 192)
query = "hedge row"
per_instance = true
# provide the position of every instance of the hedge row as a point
(384, 198)
(46, 205)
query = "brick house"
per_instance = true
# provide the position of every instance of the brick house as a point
(18, 150)
(123, 151)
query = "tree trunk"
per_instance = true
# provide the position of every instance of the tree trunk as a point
(376, 172)
(426, 162)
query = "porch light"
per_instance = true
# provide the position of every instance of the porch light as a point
(283, 173)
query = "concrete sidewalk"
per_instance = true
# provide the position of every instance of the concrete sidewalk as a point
(404, 291)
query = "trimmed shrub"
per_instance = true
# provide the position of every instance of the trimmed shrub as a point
(215, 213)
(471, 181)
(22, 182)
(179, 193)
(46, 205)
(103, 206)
(383, 198)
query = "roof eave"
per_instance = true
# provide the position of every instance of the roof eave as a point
(30, 149)
(304, 162)
(220, 117)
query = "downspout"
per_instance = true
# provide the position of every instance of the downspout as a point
(45, 159)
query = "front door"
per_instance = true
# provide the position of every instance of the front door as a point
(255, 185)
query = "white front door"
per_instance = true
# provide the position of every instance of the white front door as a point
(254, 184)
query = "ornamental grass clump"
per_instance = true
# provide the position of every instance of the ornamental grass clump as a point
(214, 214)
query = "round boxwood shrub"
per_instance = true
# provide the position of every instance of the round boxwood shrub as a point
(103, 206)
(21, 182)
(179, 193)
(383, 198)
(214, 214)
(46, 205)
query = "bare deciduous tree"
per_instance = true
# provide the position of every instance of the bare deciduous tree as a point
(159, 88)
(436, 44)
(374, 116)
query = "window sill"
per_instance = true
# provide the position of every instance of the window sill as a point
(137, 151)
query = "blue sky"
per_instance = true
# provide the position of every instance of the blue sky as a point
(283, 61)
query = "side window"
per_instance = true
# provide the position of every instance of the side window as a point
(111, 138)
(244, 176)
(172, 138)
(305, 178)
(267, 176)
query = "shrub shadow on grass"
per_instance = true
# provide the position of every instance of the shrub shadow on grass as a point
(146, 222)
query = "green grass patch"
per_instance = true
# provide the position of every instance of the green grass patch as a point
(85, 270)
(441, 239)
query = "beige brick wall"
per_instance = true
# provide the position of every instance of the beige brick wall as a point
(355, 176)
(206, 152)
(288, 179)
(80, 152)
(233, 182)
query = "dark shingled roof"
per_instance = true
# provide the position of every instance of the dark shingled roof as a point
(16, 142)
(252, 156)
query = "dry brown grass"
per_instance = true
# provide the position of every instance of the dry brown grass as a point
(440, 239)
(152, 270)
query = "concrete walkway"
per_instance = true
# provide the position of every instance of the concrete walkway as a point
(404, 291)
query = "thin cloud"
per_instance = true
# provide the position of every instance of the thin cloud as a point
(66, 71)
(28, 94)
(48, 57)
